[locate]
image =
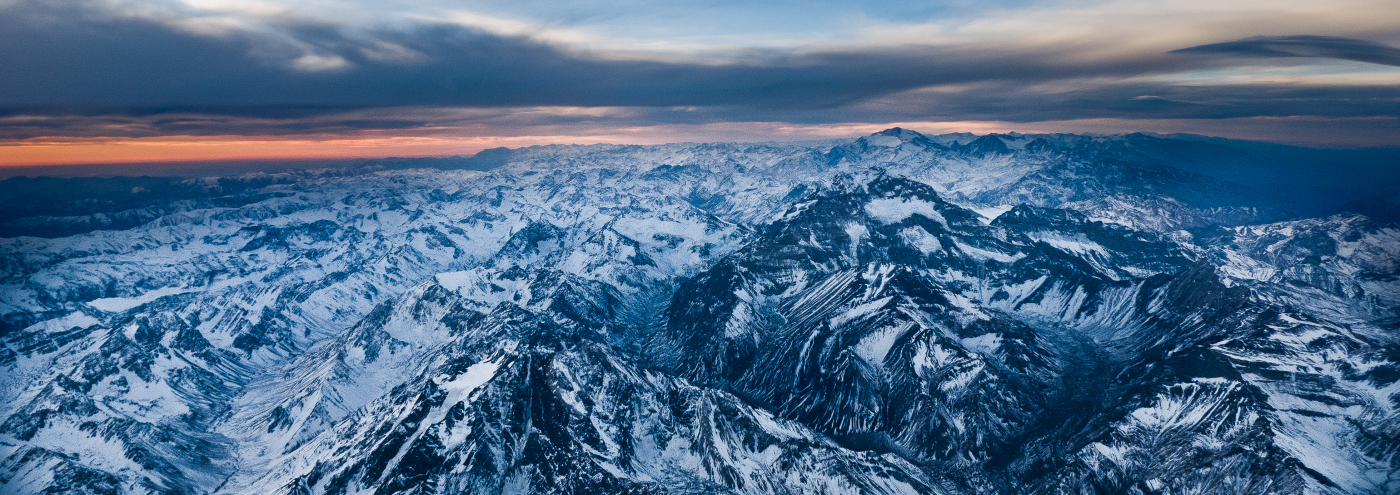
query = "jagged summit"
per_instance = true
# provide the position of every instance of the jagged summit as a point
(895, 136)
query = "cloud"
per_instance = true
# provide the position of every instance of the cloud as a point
(133, 64)
(1303, 46)
(88, 69)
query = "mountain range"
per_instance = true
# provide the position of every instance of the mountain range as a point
(897, 313)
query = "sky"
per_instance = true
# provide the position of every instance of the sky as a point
(123, 81)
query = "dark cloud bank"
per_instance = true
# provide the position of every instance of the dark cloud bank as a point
(86, 72)
(1303, 46)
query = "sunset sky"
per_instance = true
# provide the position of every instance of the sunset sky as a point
(108, 81)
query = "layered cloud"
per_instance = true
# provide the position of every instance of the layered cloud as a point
(1304, 46)
(264, 68)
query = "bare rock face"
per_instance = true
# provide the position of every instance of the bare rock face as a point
(895, 314)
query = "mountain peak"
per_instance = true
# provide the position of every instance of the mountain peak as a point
(895, 136)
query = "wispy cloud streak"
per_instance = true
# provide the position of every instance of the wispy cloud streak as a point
(1303, 46)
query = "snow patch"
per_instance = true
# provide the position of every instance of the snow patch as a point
(990, 213)
(895, 210)
(1078, 244)
(984, 254)
(460, 386)
(119, 304)
(857, 233)
(920, 239)
(874, 347)
(983, 344)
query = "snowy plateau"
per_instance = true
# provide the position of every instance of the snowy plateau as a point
(898, 313)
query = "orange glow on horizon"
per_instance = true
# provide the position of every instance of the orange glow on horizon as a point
(229, 148)
(76, 151)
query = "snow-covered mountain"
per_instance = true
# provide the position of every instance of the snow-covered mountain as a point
(898, 313)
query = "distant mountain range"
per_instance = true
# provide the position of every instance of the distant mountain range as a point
(898, 313)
